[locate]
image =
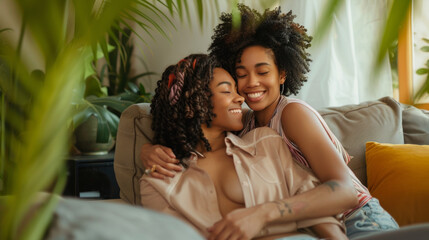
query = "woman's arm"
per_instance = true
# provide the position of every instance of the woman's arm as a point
(164, 157)
(161, 156)
(329, 231)
(336, 194)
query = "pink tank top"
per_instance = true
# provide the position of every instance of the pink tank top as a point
(275, 123)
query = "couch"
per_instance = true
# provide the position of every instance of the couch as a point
(383, 122)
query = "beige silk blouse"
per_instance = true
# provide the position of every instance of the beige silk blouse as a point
(265, 169)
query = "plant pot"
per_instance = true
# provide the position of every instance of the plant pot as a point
(86, 139)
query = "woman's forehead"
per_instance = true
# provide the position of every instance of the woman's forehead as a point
(221, 75)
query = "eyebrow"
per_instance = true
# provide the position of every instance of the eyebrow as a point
(256, 65)
(224, 82)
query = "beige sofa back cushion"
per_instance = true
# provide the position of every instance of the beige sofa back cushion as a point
(354, 125)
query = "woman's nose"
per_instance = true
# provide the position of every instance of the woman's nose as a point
(253, 80)
(239, 99)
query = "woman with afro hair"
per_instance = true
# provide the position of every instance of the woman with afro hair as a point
(228, 182)
(267, 56)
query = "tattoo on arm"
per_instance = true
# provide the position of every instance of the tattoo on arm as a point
(333, 185)
(283, 207)
(289, 208)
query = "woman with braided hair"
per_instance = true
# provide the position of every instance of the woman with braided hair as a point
(267, 56)
(195, 107)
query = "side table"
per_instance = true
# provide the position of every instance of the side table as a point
(91, 176)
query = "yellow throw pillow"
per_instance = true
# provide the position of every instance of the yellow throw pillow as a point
(398, 175)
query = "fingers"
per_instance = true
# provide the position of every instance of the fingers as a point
(162, 157)
(160, 170)
(168, 151)
(223, 231)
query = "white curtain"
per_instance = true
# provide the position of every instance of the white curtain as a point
(341, 70)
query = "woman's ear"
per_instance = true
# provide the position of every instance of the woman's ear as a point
(282, 77)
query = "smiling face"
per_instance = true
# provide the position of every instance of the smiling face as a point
(258, 79)
(226, 102)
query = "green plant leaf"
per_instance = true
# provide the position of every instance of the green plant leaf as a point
(111, 119)
(235, 13)
(94, 88)
(130, 96)
(135, 78)
(326, 19)
(425, 49)
(426, 40)
(81, 116)
(133, 87)
(35, 229)
(170, 6)
(5, 29)
(103, 132)
(395, 19)
(113, 102)
(200, 12)
(423, 90)
(422, 71)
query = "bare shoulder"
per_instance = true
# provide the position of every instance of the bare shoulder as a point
(300, 123)
(298, 114)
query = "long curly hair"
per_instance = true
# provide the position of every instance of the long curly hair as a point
(273, 30)
(182, 102)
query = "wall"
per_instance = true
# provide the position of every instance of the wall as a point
(187, 38)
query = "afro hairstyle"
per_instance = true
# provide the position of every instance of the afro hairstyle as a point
(272, 30)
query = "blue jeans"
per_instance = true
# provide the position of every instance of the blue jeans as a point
(371, 218)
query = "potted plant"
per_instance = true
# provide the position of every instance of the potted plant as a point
(97, 120)
(99, 108)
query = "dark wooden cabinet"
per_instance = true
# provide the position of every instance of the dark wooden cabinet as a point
(91, 177)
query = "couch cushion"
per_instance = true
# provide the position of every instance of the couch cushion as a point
(354, 125)
(82, 219)
(398, 177)
(134, 130)
(415, 123)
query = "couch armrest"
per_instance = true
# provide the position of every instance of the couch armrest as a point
(134, 130)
